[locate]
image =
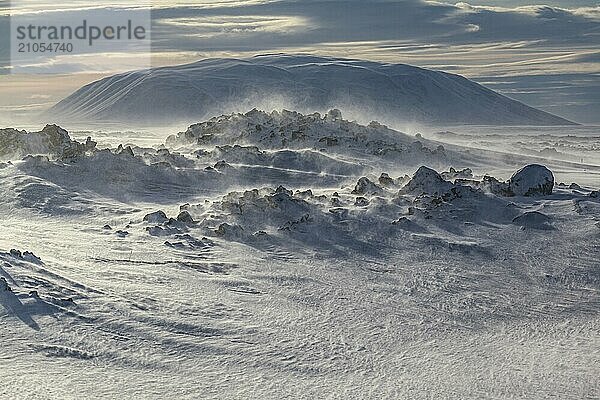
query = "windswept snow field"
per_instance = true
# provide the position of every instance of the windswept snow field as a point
(280, 255)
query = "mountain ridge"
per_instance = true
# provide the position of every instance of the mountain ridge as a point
(300, 82)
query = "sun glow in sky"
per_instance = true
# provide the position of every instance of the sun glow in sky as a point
(547, 56)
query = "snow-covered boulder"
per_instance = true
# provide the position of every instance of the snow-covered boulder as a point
(533, 220)
(492, 185)
(185, 217)
(333, 115)
(428, 181)
(230, 231)
(366, 186)
(52, 140)
(361, 202)
(157, 217)
(453, 174)
(386, 180)
(4, 285)
(408, 225)
(532, 180)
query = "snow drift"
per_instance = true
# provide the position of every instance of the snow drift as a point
(306, 255)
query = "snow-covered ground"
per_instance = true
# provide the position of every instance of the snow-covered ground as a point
(280, 255)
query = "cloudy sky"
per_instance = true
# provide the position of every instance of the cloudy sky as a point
(545, 55)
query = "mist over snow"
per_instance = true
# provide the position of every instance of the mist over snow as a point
(288, 255)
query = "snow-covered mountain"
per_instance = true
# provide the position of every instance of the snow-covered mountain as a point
(305, 83)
